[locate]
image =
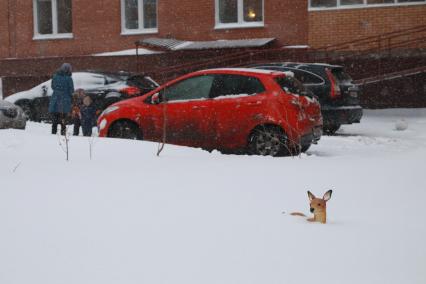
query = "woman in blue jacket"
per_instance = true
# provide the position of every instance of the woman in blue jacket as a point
(60, 102)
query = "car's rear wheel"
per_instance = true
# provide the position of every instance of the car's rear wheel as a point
(268, 141)
(331, 129)
(125, 130)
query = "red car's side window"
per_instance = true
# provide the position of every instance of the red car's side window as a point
(289, 84)
(190, 89)
(229, 84)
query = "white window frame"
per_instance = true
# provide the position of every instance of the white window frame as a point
(241, 23)
(125, 31)
(364, 5)
(54, 34)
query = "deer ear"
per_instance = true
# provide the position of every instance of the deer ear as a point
(311, 196)
(327, 195)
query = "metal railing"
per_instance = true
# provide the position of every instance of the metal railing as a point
(382, 44)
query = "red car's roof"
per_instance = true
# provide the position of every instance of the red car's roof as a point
(240, 71)
(245, 71)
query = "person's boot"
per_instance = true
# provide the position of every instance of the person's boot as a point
(54, 129)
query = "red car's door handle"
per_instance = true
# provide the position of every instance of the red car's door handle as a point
(199, 107)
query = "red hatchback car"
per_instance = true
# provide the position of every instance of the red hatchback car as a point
(236, 110)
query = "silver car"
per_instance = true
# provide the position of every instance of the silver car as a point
(11, 116)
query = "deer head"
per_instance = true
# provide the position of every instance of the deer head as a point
(318, 206)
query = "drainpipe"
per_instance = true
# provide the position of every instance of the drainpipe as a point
(1, 88)
(8, 26)
(11, 26)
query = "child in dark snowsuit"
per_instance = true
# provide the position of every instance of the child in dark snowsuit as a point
(87, 116)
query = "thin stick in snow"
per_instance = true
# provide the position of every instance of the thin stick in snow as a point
(16, 167)
(65, 140)
(92, 143)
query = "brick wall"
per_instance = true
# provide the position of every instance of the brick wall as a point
(337, 26)
(4, 30)
(97, 26)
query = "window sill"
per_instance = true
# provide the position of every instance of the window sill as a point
(53, 37)
(239, 26)
(139, 32)
(362, 6)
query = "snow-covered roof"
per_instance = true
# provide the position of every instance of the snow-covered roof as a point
(141, 51)
(251, 70)
(296, 46)
(175, 44)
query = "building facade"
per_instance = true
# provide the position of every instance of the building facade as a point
(43, 28)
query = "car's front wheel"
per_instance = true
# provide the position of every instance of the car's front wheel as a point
(331, 129)
(125, 130)
(305, 148)
(268, 141)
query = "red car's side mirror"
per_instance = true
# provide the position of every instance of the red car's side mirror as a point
(156, 99)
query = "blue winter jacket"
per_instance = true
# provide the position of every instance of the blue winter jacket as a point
(88, 116)
(63, 88)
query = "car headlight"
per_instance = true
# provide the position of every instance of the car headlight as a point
(109, 110)
(102, 124)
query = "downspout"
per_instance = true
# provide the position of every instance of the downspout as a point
(1, 88)
(8, 28)
(11, 25)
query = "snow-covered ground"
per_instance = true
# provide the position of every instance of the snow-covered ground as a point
(127, 216)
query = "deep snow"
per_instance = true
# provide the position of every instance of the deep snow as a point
(188, 216)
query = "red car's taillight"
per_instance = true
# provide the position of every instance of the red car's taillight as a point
(335, 88)
(131, 91)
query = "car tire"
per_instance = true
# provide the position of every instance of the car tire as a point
(268, 141)
(305, 148)
(26, 108)
(331, 129)
(125, 130)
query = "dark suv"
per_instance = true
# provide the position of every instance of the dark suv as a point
(338, 95)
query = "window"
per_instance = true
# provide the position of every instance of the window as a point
(290, 85)
(351, 2)
(52, 19)
(341, 76)
(228, 85)
(239, 13)
(379, 1)
(190, 89)
(139, 16)
(307, 77)
(321, 4)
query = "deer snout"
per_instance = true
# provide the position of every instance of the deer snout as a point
(312, 210)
